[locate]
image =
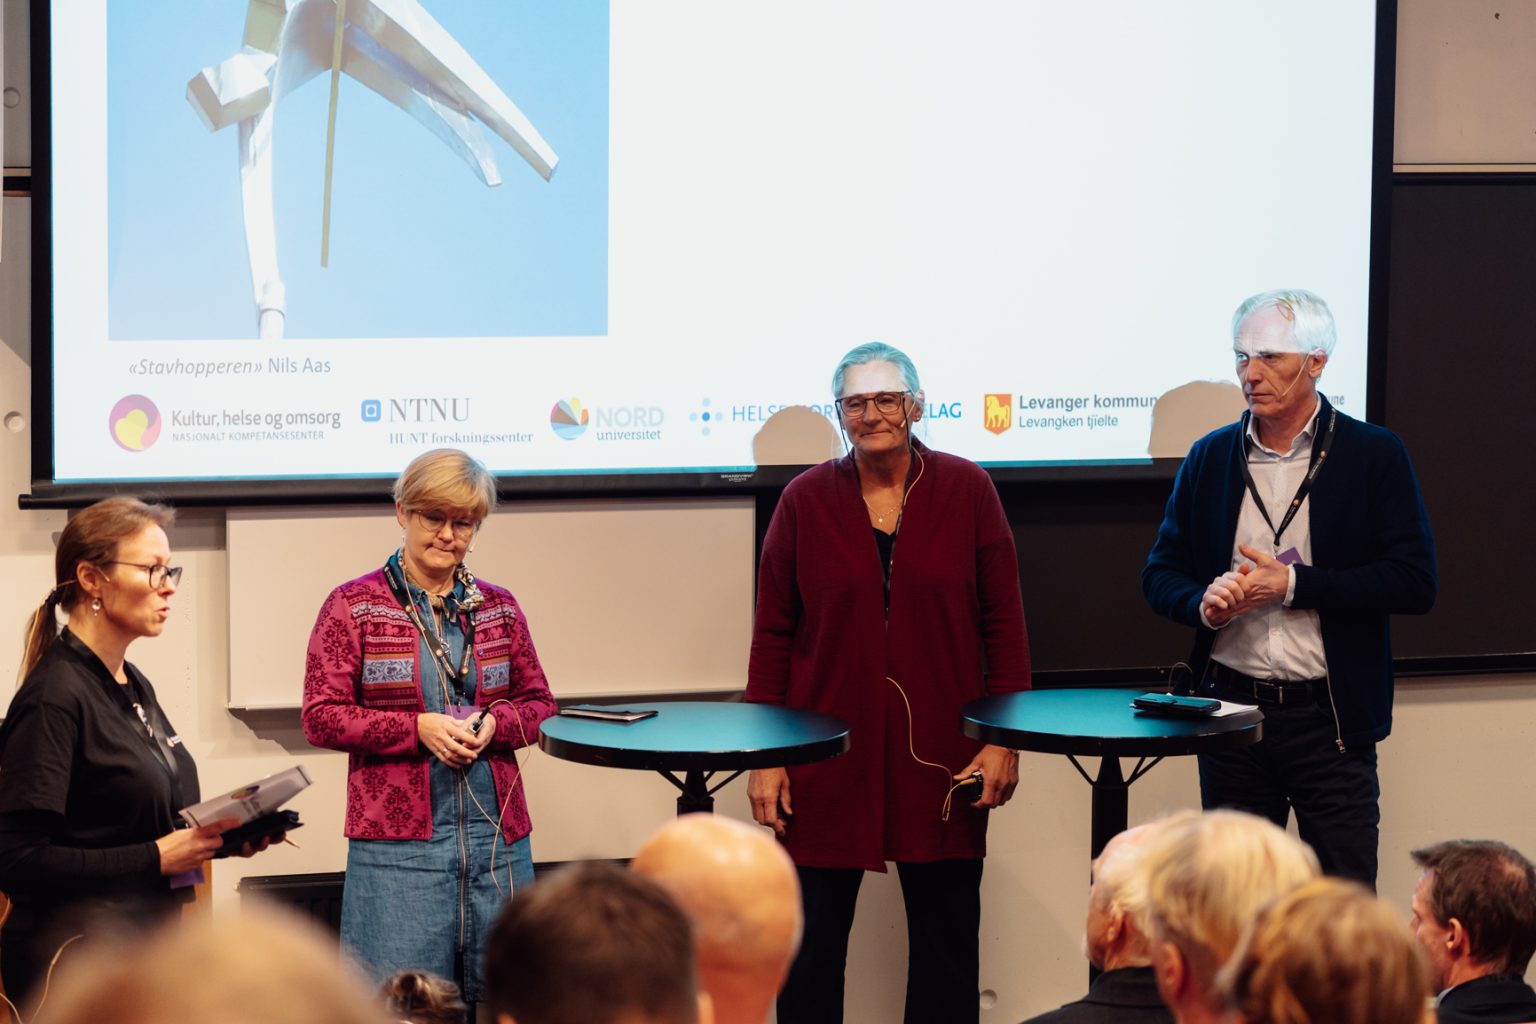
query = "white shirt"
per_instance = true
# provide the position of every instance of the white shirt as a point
(1277, 642)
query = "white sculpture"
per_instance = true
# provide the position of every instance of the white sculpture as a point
(393, 47)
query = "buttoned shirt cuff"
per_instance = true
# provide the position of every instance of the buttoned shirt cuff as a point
(1290, 585)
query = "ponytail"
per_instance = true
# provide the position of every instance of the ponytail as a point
(42, 629)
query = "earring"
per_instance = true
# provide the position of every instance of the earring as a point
(95, 605)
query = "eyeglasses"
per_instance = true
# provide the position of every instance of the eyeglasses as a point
(886, 402)
(158, 574)
(1270, 356)
(433, 522)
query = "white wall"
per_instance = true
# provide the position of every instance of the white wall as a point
(1466, 96)
(1458, 764)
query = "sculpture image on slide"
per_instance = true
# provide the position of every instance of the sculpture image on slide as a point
(396, 49)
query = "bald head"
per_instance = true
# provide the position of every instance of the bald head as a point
(740, 889)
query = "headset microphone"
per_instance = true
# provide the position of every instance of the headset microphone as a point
(1298, 377)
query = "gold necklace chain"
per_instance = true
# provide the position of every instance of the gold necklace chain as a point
(876, 512)
(901, 508)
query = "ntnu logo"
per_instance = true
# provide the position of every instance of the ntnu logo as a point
(428, 410)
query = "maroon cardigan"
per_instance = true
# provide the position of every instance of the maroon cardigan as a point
(822, 641)
(362, 693)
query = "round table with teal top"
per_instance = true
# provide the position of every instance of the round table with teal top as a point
(1102, 723)
(699, 739)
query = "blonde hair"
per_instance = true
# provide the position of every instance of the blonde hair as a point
(1119, 882)
(449, 480)
(1327, 952)
(420, 997)
(1208, 874)
(89, 538)
(250, 967)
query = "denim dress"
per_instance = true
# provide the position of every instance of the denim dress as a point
(428, 904)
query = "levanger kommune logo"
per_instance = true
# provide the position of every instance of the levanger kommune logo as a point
(568, 419)
(134, 423)
(998, 414)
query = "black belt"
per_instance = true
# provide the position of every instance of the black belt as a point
(1266, 691)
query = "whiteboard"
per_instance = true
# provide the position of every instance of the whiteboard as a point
(622, 597)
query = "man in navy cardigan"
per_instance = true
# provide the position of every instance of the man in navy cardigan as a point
(1288, 540)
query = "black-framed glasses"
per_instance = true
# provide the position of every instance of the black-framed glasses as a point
(886, 403)
(158, 573)
(433, 522)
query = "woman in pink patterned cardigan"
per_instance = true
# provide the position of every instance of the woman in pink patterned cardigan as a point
(428, 679)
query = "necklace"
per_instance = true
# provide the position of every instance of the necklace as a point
(436, 599)
(437, 645)
(900, 509)
(894, 509)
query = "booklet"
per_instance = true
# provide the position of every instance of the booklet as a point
(249, 802)
(607, 714)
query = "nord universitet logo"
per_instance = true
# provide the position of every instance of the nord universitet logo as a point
(134, 423)
(568, 419)
(999, 413)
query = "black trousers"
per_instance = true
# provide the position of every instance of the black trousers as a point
(1298, 766)
(943, 901)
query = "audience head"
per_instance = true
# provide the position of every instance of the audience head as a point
(1206, 876)
(1474, 910)
(83, 565)
(418, 997)
(740, 889)
(1327, 952)
(251, 967)
(1115, 935)
(592, 944)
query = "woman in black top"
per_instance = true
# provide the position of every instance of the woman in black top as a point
(92, 774)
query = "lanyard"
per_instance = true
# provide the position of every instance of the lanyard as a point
(1319, 455)
(149, 714)
(132, 699)
(456, 675)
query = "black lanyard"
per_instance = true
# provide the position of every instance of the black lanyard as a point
(134, 701)
(1319, 455)
(456, 676)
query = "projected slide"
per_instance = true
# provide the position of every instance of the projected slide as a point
(576, 237)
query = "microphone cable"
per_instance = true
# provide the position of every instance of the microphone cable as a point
(949, 776)
(47, 981)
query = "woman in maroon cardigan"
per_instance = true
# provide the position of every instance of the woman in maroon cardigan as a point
(893, 646)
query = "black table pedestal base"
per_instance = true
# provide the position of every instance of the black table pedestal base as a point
(1111, 798)
(695, 794)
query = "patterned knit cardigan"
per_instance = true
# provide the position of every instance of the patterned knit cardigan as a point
(362, 693)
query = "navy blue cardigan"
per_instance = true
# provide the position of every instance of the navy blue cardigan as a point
(1372, 554)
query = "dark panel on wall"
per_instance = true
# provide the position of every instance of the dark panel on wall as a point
(1081, 548)
(1460, 382)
